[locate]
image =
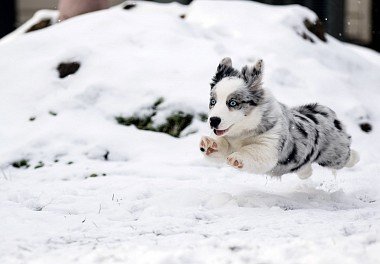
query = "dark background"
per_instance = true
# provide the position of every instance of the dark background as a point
(7, 17)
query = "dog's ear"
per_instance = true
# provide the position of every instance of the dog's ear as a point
(253, 75)
(225, 61)
(224, 69)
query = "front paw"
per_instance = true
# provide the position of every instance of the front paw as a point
(235, 160)
(208, 146)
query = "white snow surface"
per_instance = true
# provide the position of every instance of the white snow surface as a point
(160, 201)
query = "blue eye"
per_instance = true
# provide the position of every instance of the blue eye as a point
(232, 103)
(212, 102)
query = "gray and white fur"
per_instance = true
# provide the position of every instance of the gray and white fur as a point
(254, 132)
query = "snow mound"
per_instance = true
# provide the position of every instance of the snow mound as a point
(88, 177)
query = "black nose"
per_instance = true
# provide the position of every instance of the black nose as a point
(215, 121)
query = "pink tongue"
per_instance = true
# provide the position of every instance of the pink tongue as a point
(219, 132)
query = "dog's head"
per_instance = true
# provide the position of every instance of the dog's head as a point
(235, 98)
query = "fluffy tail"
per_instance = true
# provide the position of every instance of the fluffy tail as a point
(354, 158)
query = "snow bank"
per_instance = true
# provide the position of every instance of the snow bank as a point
(97, 191)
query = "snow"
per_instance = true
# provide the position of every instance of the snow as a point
(159, 201)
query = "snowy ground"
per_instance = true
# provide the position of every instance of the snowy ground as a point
(155, 200)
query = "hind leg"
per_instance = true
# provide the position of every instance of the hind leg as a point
(305, 172)
(354, 158)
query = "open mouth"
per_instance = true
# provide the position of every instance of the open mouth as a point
(220, 132)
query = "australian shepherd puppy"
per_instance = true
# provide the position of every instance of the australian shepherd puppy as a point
(256, 133)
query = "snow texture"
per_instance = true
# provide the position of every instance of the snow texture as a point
(99, 192)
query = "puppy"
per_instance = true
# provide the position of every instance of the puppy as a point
(256, 133)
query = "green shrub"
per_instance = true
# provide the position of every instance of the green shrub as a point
(23, 163)
(174, 124)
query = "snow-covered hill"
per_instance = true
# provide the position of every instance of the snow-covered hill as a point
(77, 185)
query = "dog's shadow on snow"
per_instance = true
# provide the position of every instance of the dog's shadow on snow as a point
(310, 198)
